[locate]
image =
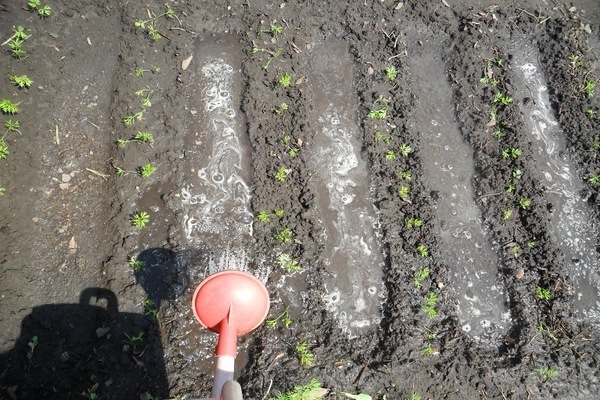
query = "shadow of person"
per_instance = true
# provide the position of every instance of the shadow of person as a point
(89, 349)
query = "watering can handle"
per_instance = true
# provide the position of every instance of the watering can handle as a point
(231, 391)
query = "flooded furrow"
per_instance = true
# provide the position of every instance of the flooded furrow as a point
(449, 170)
(216, 192)
(570, 223)
(354, 289)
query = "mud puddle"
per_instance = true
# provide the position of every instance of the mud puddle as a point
(570, 221)
(354, 289)
(216, 194)
(449, 170)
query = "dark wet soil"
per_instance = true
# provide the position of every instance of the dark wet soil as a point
(78, 319)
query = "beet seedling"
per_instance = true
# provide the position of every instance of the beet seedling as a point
(383, 137)
(262, 216)
(575, 61)
(390, 155)
(405, 150)
(22, 81)
(33, 344)
(7, 106)
(589, 88)
(4, 151)
(273, 29)
(506, 214)
(149, 26)
(406, 175)
(2, 190)
(546, 373)
(525, 203)
(15, 42)
(281, 174)
(413, 222)
(511, 153)
(404, 192)
(502, 99)
(140, 219)
(542, 294)
(420, 276)
(281, 108)
(422, 250)
(150, 308)
(140, 137)
(594, 178)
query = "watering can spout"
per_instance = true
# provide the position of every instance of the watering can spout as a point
(227, 343)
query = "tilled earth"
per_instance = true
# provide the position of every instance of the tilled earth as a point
(79, 320)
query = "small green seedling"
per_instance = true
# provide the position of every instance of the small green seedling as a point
(499, 133)
(273, 29)
(286, 262)
(284, 318)
(15, 42)
(129, 120)
(140, 219)
(151, 308)
(12, 126)
(140, 137)
(4, 151)
(413, 222)
(531, 244)
(142, 71)
(281, 108)
(310, 391)
(406, 175)
(594, 178)
(506, 214)
(525, 203)
(415, 396)
(422, 250)
(502, 99)
(285, 80)
(281, 174)
(546, 373)
(36, 5)
(430, 305)
(511, 153)
(7, 106)
(147, 170)
(149, 26)
(21, 81)
(511, 188)
(383, 137)
(135, 339)
(33, 343)
(492, 81)
(420, 276)
(390, 155)
(380, 112)
(137, 265)
(263, 217)
(284, 236)
(515, 250)
(542, 328)
(575, 61)
(307, 358)
(405, 149)
(2, 190)
(272, 55)
(404, 192)
(92, 392)
(589, 88)
(542, 294)
(391, 73)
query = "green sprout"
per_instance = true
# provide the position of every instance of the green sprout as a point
(406, 175)
(263, 217)
(422, 250)
(92, 392)
(12, 126)
(502, 99)
(2, 190)
(281, 174)
(139, 338)
(140, 137)
(515, 250)
(542, 328)
(285, 80)
(420, 276)
(33, 343)
(142, 71)
(140, 219)
(281, 108)
(378, 113)
(383, 137)
(542, 294)
(306, 357)
(149, 26)
(273, 29)
(8, 106)
(405, 150)
(525, 203)
(284, 318)
(594, 178)
(546, 373)
(499, 133)
(147, 170)
(589, 88)
(151, 308)
(36, 5)
(4, 151)
(506, 214)
(391, 73)
(284, 236)
(404, 192)
(511, 153)
(137, 265)
(286, 262)
(531, 244)
(575, 61)
(511, 188)
(390, 155)
(15, 42)
(429, 305)
(21, 81)
(310, 391)
(413, 222)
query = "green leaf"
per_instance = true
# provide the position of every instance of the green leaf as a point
(360, 396)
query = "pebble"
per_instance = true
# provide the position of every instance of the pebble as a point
(66, 178)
